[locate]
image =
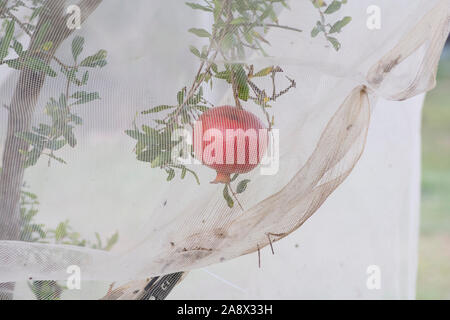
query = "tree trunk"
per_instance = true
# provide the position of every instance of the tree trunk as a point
(21, 111)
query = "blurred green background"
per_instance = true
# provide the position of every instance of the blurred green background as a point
(434, 246)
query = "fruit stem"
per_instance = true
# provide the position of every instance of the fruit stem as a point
(222, 178)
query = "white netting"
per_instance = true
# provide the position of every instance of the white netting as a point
(166, 227)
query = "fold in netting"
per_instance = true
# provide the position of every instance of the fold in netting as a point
(323, 128)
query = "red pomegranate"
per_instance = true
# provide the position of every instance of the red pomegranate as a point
(229, 140)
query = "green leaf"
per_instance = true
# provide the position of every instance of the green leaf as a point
(180, 97)
(227, 197)
(43, 129)
(185, 118)
(171, 174)
(248, 37)
(5, 42)
(157, 109)
(77, 46)
(17, 46)
(156, 162)
(99, 240)
(84, 97)
(151, 136)
(204, 53)
(61, 231)
(70, 74)
(62, 103)
(35, 13)
(96, 60)
(32, 157)
(336, 44)
(240, 74)
(29, 194)
(195, 176)
(315, 32)
(148, 155)
(198, 7)
(32, 138)
(39, 65)
(85, 78)
(217, 10)
(226, 75)
(200, 32)
(195, 51)
(195, 99)
(38, 229)
(75, 119)
(111, 241)
(149, 130)
(158, 121)
(242, 185)
(70, 137)
(264, 72)
(266, 13)
(337, 27)
(244, 92)
(201, 108)
(14, 63)
(241, 79)
(240, 20)
(56, 144)
(333, 7)
(135, 134)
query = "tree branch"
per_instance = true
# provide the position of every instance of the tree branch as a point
(21, 111)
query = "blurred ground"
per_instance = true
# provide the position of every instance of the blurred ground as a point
(434, 246)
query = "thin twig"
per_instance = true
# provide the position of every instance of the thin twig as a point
(260, 96)
(259, 256)
(279, 26)
(62, 64)
(270, 241)
(274, 91)
(110, 289)
(18, 22)
(235, 196)
(198, 81)
(282, 92)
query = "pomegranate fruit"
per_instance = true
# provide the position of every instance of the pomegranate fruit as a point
(229, 140)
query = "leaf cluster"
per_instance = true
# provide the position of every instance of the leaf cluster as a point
(329, 29)
(63, 233)
(47, 138)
